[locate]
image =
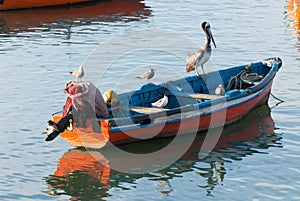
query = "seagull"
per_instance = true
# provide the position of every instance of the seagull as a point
(148, 75)
(202, 55)
(161, 102)
(78, 73)
(220, 90)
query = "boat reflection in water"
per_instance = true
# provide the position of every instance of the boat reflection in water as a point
(87, 174)
(293, 13)
(293, 18)
(43, 19)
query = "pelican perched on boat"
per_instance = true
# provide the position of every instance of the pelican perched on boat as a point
(202, 55)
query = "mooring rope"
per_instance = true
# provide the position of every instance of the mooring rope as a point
(235, 81)
(280, 100)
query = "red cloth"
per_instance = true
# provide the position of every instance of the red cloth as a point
(67, 107)
(84, 96)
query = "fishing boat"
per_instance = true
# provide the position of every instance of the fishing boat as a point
(193, 106)
(14, 4)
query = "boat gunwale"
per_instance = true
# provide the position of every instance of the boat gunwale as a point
(200, 114)
(252, 97)
(260, 87)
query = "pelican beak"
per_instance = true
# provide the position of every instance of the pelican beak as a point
(213, 40)
(212, 37)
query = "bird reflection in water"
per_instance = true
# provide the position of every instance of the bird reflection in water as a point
(87, 174)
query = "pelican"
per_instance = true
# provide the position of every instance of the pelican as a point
(78, 73)
(148, 75)
(202, 55)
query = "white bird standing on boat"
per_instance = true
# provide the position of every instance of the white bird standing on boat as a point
(78, 73)
(220, 90)
(202, 55)
(161, 102)
(148, 75)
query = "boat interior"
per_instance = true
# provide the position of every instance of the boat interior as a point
(187, 93)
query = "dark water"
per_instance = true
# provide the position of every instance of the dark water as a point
(256, 158)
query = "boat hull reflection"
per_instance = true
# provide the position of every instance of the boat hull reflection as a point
(293, 13)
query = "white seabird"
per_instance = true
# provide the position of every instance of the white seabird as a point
(148, 75)
(78, 73)
(220, 90)
(161, 102)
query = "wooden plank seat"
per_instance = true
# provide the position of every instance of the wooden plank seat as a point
(195, 95)
(205, 96)
(146, 118)
(147, 110)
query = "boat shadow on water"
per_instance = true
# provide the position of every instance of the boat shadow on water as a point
(88, 174)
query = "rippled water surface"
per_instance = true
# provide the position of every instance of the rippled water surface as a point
(256, 158)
